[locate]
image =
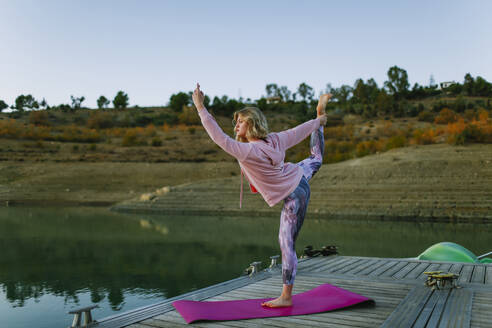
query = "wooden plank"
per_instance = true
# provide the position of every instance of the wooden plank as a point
(456, 268)
(417, 271)
(388, 265)
(140, 314)
(376, 265)
(397, 267)
(353, 268)
(458, 309)
(466, 274)
(362, 266)
(488, 275)
(439, 308)
(403, 272)
(428, 310)
(336, 261)
(478, 275)
(139, 325)
(409, 309)
(339, 265)
(173, 319)
(332, 260)
(445, 267)
(432, 267)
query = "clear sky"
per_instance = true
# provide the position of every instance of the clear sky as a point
(152, 49)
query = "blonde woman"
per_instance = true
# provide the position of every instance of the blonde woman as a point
(260, 155)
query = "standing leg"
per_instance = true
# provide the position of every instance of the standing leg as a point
(312, 164)
(291, 221)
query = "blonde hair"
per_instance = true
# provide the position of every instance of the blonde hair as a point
(257, 123)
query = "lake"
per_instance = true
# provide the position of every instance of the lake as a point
(56, 259)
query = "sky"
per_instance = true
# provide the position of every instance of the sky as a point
(53, 49)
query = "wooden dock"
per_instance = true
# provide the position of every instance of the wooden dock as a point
(396, 285)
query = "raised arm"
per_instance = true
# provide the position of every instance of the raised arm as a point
(292, 137)
(235, 148)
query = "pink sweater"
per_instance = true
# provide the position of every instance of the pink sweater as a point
(263, 161)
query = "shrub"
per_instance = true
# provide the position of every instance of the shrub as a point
(165, 127)
(424, 137)
(73, 133)
(470, 115)
(100, 120)
(386, 130)
(39, 117)
(456, 128)
(337, 132)
(396, 142)
(483, 115)
(134, 137)
(337, 151)
(365, 148)
(189, 116)
(156, 142)
(446, 116)
(425, 116)
(10, 128)
(130, 139)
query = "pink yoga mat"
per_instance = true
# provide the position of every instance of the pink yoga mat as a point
(320, 299)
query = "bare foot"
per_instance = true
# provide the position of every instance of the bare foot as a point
(323, 100)
(279, 302)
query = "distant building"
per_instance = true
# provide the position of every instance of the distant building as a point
(445, 85)
(273, 100)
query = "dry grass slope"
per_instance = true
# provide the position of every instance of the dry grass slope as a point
(435, 182)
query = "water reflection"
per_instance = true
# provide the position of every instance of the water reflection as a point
(92, 255)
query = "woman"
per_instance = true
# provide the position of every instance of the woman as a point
(261, 157)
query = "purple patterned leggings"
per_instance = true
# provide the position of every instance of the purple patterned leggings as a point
(295, 206)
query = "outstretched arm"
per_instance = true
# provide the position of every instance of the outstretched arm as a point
(235, 148)
(292, 137)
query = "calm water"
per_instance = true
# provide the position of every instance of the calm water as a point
(54, 260)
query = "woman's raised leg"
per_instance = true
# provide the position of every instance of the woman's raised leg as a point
(312, 164)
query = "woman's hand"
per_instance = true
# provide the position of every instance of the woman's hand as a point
(198, 98)
(322, 119)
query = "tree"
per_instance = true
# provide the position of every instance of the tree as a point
(272, 90)
(76, 102)
(177, 101)
(284, 93)
(397, 83)
(342, 94)
(360, 92)
(384, 102)
(120, 101)
(22, 102)
(372, 90)
(3, 105)
(468, 84)
(481, 87)
(305, 91)
(102, 102)
(44, 104)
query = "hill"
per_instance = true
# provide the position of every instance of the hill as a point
(434, 182)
